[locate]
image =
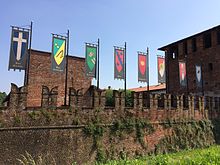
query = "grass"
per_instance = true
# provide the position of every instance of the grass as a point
(208, 156)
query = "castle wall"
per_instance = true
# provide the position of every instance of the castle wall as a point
(84, 133)
(40, 74)
(69, 145)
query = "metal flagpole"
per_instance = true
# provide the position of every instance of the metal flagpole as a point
(98, 66)
(29, 56)
(148, 87)
(66, 76)
(125, 78)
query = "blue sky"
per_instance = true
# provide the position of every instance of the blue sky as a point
(141, 23)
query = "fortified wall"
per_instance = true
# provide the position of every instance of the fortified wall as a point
(155, 106)
(88, 130)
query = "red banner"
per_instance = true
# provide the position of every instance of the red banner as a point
(161, 69)
(119, 63)
(182, 73)
(142, 67)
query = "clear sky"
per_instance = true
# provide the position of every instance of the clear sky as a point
(141, 23)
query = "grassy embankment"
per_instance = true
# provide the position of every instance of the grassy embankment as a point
(208, 156)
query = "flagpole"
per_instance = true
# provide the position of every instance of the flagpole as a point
(28, 58)
(98, 66)
(148, 87)
(66, 76)
(125, 78)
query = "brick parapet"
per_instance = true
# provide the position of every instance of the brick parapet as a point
(161, 106)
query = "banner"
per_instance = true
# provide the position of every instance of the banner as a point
(198, 76)
(58, 55)
(182, 73)
(119, 57)
(161, 69)
(91, 58)
(142, 67)
(19, 49)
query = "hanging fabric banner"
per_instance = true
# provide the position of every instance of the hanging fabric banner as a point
(142, 67)
(19, 48)
(161, 69)
(198, 76)
(119, 57)
(182, 73)
(58, 55)
(91, 58)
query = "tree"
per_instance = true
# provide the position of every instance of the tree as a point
(2, 97)
(109, 97)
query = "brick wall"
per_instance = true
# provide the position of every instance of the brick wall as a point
(40, 74)
(68, 134)
(202, 55)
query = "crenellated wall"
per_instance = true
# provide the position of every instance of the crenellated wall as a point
(157, 106)
(87, 130)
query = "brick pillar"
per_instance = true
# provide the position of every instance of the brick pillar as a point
(13, 102)
(178, 103)
(117, 99)
(165, 102)
(22, 98)
(181, 106)
(151, 101)
(179, 112)
(193, 106)
(141, 99)
(136, 101)
(207, 106)
(201, 106)
(103, 99)
(169, 101)
(53, 97)
(79, 99)
(72, 98)
(122, 100)
(45, 97)
(96, 98)
(156, 101)
(212, 107)
(189, 107)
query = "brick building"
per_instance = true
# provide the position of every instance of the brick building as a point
(40, 74)
(203, 49)
(154, 89)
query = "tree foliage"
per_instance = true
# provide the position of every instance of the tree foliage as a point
(2, 97)
(109, 97)
(110, 100)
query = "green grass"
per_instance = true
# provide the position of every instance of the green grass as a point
(208, 156)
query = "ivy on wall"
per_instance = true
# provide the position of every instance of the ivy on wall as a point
(186, 135)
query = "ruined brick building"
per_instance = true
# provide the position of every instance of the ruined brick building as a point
(203, 49)
(40, 74)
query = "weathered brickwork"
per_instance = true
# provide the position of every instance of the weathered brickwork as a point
(87, 127)
(71, 133)
(151, 106)
(40, 75)
(209, 58)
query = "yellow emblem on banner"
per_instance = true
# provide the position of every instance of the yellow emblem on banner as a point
(59, 56)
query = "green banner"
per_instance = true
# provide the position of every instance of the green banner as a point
(58, 54)
(91, 58)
